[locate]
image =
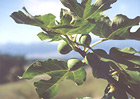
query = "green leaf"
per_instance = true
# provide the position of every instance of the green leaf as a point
(86, 10)
(119, 93)
(78, 76)
(126, 56)
(44, 21)
(118, 29)
(134, 76)
(102, 27)
(65, 17)
(47, 19)
(58, 71)
(48, 35)
(21, 18)
(103, 4)
(115, 93)
(74, 7)
(84, 27)
(135, 35)
(94, 11)
(132, 80)
(79, 27)
(81, 19)
(100, 68)
(45, 67)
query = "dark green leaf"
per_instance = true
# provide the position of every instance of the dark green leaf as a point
(94, 11)
(21, 18)
(58, 71)
(102, 27)
(135, 35)
(100, 68)
(126, 56)
(119, 94)
(132, 80)
(74, 6)
(86, 10)
(118, 29)
(65, 16)
(103, 4)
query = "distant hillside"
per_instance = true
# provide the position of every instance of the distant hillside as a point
(47, 50)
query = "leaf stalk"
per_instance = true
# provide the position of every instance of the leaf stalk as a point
(95, 44)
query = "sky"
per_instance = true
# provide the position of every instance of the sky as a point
(17, 33)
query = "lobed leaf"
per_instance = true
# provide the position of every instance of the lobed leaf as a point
(58, 71)
(100, 69)
(131, 79)
(127, 65)
(20, 18)
(74, 6)
(118, 29)
(79, 20)
(126, 56)
(86, 10)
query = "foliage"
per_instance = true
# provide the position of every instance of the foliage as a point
(120, 67)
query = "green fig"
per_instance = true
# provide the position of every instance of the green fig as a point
(64, 48)
(74, 63)
(85, 39)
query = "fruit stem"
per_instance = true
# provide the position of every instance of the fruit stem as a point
(70, 42)
(82, 53)
(95, 44)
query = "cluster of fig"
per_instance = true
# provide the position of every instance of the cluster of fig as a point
(65, 48)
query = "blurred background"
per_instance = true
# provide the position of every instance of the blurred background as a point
(20, 46)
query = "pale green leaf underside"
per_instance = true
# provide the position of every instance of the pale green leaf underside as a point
(50, 36)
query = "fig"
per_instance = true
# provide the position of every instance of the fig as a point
(85, 39)
(64, 48)
(74, 63)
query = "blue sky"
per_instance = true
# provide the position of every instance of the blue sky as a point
(17, 33)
